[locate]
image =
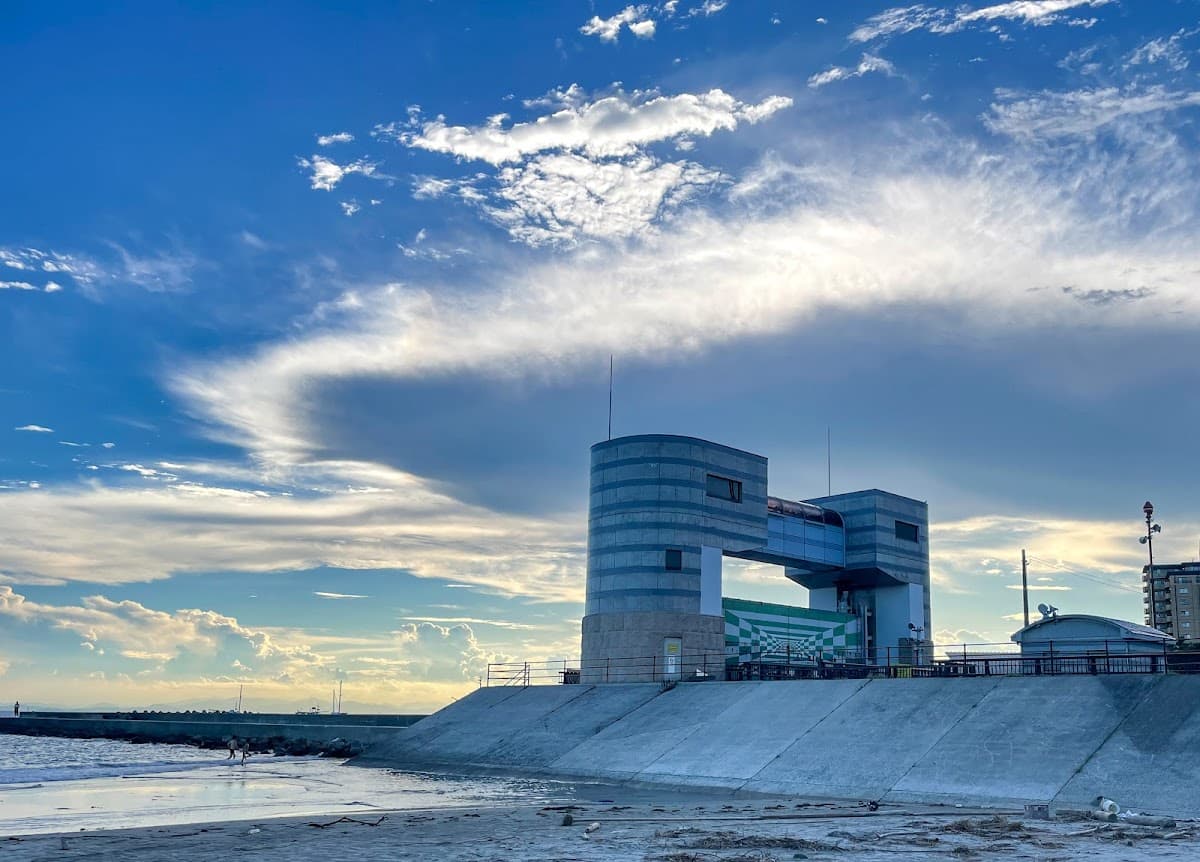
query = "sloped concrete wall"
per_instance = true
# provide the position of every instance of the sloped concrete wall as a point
(999, 741)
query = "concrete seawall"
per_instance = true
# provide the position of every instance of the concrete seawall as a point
(294, 734)
(986, 741)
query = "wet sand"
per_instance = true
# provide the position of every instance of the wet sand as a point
(633, 825)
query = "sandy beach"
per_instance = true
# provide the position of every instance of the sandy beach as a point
(631, 826)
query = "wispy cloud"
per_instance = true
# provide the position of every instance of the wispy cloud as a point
(323, 595)
(336, 138)
(615, 125)
(293, 518)
(37, 429)
(1079, 112)
(504, 624)
(906, 19)
(866, 66)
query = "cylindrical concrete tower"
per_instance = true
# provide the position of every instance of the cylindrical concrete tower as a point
(663, 508)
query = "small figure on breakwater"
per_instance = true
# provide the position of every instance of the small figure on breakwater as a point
(17, 709)
(233, 747)
(245, 750)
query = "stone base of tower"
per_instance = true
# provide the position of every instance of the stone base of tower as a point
(640, 647)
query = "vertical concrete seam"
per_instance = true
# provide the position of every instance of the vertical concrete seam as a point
(694, 731)
(863, 684)
(995, 683)
(1150, 689)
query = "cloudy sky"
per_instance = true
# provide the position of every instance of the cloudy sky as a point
(305, 315)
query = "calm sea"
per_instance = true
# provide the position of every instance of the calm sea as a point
(65, 785)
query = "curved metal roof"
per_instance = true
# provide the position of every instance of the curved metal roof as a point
(1133, 631)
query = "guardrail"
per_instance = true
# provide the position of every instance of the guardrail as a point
(1053, 658)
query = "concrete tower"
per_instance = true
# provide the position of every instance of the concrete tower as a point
(663, 510)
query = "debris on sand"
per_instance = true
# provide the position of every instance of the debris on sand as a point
(739, 841)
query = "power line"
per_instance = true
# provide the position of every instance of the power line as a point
(1088, 576)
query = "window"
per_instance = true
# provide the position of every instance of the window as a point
(674, 560)
(907, 532)
(1183, 591)
(724, 489)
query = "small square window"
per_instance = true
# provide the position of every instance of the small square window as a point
(674, 560)
(724, 489)
(907, 532)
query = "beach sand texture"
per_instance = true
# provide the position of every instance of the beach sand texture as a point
(746, 831)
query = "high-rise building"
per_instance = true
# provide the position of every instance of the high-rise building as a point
(1171, 596)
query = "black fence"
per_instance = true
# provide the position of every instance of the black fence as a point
(958, 660)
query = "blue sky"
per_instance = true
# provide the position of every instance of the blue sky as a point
(305, 313)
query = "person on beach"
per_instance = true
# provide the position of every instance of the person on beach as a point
(233, 747)
(17, 709)
(245, 750)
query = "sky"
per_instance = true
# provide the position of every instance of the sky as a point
(306, 312)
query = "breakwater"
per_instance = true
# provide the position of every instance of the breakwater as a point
(335, 735)
(985, 741)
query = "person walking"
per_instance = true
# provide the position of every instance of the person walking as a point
(245, 750)
(233, 747)
(17, 709)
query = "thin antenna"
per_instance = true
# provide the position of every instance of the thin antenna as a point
(828, 463)
(1025, 586)
(610, 389)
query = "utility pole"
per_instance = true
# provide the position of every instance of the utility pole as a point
(1025, 586)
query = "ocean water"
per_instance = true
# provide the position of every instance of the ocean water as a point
(68, 785)
(29, 759)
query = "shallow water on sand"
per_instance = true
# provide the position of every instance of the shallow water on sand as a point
(64, 785)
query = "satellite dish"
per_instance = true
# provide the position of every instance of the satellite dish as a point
(1048, 611)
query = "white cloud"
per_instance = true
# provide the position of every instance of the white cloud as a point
(1079, 112)
(583, 171)
(1168, 50)
(108, 445)
(350, 207)
(324, 595)
(16, 285)
(326, 173)
(906, 19)
(866, 65)
(37, 429)
(563, 198)
(336, 138)
(73, 444)
(994, 240)
(642, 29)
(708, 7)
(608, 29)
(142, 633)
(615, 125)
(299, 517)
(52, 287)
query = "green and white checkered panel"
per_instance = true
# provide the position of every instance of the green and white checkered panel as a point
(757, 631)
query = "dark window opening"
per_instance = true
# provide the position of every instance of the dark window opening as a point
(724, 489)
(674, 560)
(907, 532)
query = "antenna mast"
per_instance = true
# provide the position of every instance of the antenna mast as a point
(828, 463)
(610, 389)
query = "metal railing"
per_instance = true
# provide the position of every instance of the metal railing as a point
(1052, 658)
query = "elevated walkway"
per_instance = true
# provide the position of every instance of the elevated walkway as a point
(990, 741)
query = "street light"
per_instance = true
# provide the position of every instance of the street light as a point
(1148, 541)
